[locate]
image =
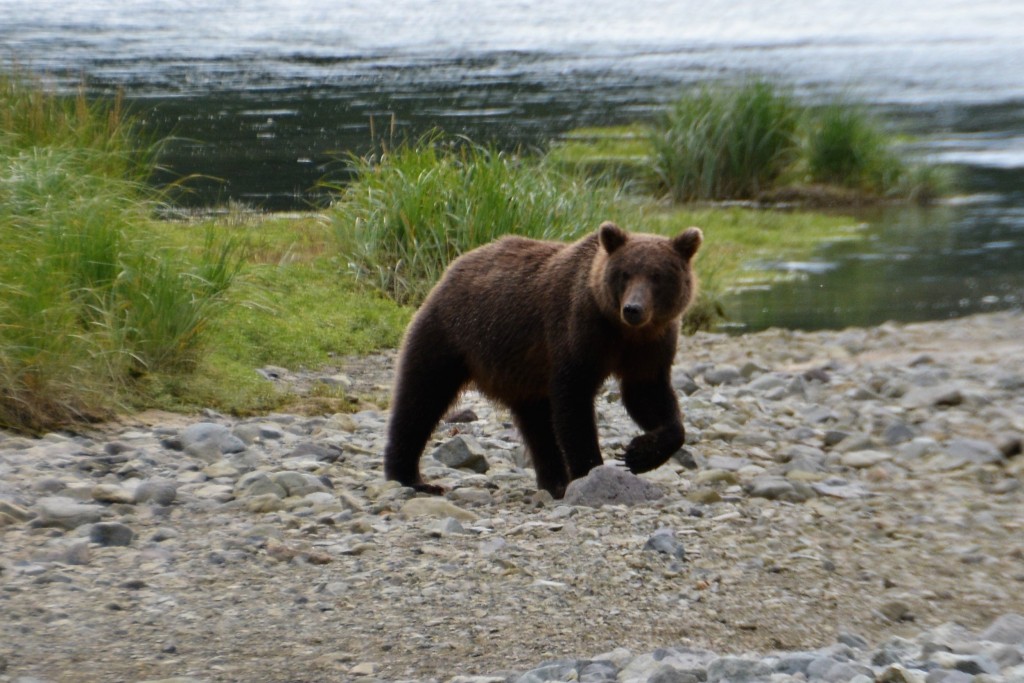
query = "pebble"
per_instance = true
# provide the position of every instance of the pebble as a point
(112, 493)
(1008, 629)
(664, 541)
(209, 441)
(807, 468)
(863, 459)
(862, 664)
(158, 492)
(435, 507)
(66, 513)
(111, 534)
(463, 452)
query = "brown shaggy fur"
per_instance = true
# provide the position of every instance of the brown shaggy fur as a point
(539, 326)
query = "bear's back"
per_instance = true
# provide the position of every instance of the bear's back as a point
(495, 304)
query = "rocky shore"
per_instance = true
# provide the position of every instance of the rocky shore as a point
(849, 507)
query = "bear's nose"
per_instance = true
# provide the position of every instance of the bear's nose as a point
(633, 313)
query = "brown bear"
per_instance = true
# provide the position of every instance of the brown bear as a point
(539, 326)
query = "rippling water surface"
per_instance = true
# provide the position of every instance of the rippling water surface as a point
(265, 97)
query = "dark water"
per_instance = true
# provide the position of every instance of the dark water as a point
(266, 98)
(913, 265)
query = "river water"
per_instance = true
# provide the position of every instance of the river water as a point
(266, 98)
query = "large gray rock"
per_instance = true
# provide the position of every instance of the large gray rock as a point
(737, 670)
(933, 397)
(258, 484)
(111, 534)
(430, 506)
(1008, 629)
(156, 491)
(299, 483)
(65, 513)
(208, 441)
(463, 452)
(974, 451)
(611, 485)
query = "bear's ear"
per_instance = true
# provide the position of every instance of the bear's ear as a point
(612, 236)
(687, 244)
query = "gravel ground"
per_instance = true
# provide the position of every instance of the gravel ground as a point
(849, 507)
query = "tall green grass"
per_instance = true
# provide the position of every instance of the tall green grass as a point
(417, 208)
(846, 147)
(89, 302)
(725, 143)
(33, 117)
(409, 214)
(748, 141)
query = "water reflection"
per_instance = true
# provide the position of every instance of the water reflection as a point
(914, 264)
(271, 148)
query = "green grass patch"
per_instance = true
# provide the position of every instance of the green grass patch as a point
(755, 141)
(303, 314)
(845, 147)
(293, 305)
(738, 240)
(90, 303)
(619, 154)
(725, 143)
(411, 213)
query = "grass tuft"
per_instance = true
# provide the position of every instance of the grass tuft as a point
(90, 302)
(846, 147)
(754, 141)
(725, 143)
(413, 211)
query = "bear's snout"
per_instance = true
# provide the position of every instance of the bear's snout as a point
(633, 314)
(635, 309)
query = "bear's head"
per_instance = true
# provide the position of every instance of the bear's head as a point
(644, 281)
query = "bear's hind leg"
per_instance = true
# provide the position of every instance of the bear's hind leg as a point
(574, 420)
(426, 387)
(534, 422)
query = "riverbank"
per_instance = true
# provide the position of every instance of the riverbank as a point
(843, 498)
(109, 308)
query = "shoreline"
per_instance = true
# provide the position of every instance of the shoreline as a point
(844, 489)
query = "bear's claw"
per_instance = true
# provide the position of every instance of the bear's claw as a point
(429, 489)
(643, 455)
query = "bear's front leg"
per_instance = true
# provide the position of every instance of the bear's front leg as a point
(652, 404)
